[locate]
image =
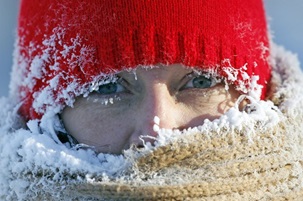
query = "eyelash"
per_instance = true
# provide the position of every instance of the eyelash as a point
(111, 87)
(120, 85)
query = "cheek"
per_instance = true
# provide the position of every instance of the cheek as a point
(106, 128)
(210, 104)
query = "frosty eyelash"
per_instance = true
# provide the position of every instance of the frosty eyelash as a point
(215, 78)
(95, 85)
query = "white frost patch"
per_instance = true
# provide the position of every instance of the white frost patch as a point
(255, 89)
(47, 60)
(262, 112)
(157, 120)
(289, 76)
(247, 84)
(156, 126)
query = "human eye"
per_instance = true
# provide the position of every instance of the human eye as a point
(110, 88)
(199, 82)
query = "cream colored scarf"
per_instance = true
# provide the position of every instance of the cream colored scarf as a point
(215, 168)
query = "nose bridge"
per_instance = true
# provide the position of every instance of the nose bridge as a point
(159, 102)
(156, 102)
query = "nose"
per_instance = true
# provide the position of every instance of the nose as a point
(157, 109)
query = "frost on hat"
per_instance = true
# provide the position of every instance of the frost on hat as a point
(63, 47)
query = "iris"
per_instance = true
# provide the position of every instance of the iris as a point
(109, 88)
(201, 82)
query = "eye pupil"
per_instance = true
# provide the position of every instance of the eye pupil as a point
(202, 82)
(108, 88)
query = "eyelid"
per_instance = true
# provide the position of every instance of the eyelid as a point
(123, 83)
(185, 80)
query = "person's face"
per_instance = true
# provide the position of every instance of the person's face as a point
(114, 117)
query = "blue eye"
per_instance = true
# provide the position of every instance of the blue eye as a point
(110, 88)
(200, 82)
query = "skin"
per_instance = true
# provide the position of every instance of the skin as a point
(166, 92)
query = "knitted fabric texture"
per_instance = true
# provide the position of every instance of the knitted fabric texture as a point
(212, 169)
(64, 47)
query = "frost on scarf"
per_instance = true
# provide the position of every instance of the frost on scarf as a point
(34, 161)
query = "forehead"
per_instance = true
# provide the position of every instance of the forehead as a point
(157, 71)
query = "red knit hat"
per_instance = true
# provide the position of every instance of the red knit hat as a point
(65, 46)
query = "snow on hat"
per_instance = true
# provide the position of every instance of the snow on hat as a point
(64, 47)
